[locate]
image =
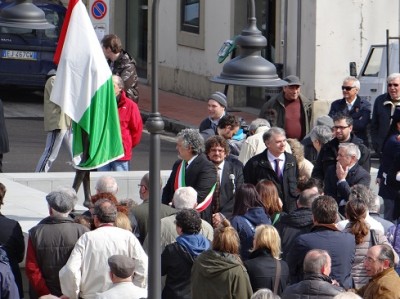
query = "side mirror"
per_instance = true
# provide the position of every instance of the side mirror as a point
(353, 69)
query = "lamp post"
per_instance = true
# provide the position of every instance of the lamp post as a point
(250, 68)
(24, 14)
(155, 125)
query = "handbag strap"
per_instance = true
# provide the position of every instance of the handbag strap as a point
(277, 276)
(374, 240)
(249, 224)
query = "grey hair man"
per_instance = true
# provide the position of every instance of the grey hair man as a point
(254, 144)
(346, 174)
(320, 135)
(357, 108)
(141, 212)
(276, 165)
(384, 282)
(86, 271)
(384, 107)
(365, 194)
(317, 268)
(184, 198)
(192, 169)
(51, 242)
(107, 184)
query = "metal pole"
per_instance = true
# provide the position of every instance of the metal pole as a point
(155, 125)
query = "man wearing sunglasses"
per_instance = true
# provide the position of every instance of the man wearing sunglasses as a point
(384, 107)
(353, 105)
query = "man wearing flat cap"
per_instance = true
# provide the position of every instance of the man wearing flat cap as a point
(121, 271)
(51, 242)
(216, 107)
(289, 110)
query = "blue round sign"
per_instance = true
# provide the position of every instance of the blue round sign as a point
(99, 9)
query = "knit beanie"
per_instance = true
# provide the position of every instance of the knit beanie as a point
(220, 98)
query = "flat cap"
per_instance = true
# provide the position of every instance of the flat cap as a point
(292, 80)
(121, 265)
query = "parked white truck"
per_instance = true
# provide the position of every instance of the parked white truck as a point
(374, 71)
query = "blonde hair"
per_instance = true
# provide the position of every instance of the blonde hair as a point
(266, 236)
(297, 149)
(122, 221)
(226, 239)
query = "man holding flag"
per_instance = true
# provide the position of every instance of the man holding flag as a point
(84, 90)
(194, 170)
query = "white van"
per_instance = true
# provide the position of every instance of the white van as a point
(374, 72)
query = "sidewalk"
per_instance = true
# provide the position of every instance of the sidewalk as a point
(179, 112)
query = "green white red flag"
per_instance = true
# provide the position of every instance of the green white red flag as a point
(84, 89)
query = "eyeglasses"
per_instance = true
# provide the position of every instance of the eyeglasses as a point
(340, 127)
(140, 185)
(370, 260)
(393, 84)
(348, 88)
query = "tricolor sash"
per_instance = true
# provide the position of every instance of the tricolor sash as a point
(181, 182)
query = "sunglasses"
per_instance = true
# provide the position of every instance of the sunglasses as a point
(393, 84)
(347, 88)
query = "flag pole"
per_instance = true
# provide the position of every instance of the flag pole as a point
(155, 125)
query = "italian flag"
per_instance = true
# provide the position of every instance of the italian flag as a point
(84, 90)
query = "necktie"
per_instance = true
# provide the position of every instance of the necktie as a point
(277, 169)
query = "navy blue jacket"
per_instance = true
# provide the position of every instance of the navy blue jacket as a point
(360, 113)
(380, 122)
(255, 216)
(341, 247)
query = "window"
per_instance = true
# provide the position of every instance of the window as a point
(190, 16)
(373, 64)
(190, 29)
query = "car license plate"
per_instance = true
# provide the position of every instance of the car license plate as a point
(20, 55)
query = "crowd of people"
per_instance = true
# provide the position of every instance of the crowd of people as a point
(285, 212)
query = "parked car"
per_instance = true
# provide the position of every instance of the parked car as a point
(26, 55)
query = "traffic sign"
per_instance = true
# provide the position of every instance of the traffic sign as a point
(99, 9)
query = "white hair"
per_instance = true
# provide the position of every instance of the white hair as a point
(185, 198)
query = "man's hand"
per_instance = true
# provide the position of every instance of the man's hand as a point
(341, 172)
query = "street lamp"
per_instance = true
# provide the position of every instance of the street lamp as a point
(155, 125)
(250, 68)
(24, 14)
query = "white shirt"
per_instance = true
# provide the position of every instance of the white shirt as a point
(272, 158)
(126, 290)
(87, 272)
(373, 224)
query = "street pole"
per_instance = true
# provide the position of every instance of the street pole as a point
(155, 126)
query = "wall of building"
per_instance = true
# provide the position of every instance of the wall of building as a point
(185, 70)
(332, 34)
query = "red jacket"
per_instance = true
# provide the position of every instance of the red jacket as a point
(131, 124)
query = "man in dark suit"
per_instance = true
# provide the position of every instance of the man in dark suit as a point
(192, 169)
(345, 174)
(358, 109)
(230, 175)
(276, 165)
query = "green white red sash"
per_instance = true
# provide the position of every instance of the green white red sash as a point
(181, 182)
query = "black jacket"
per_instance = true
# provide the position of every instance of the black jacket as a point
(360, 113)
(327, 156)
(291, 225)
(315, 286)
(201, 174)
(231, 180)
(258, 168)
(176, 264)
(380, 122)
(339, 191)
(261, 268)
(12, 240)
(53, 240)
